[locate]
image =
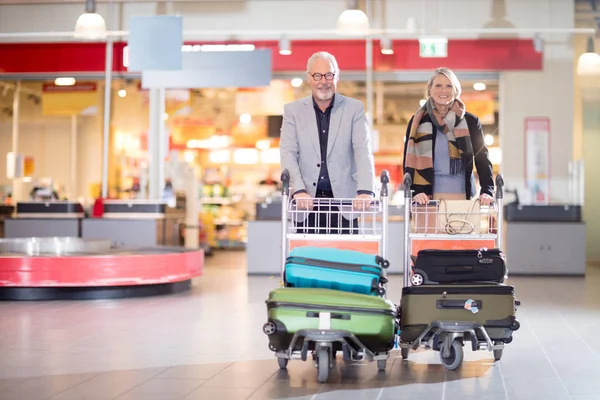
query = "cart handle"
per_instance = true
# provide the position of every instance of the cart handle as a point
(385, 179)
(499, 186)
(407, 185)
(335, 202)
(285, 182)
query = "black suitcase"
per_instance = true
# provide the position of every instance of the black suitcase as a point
(458, 266)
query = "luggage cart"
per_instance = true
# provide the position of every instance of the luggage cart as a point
(481, 226)
(370, 232)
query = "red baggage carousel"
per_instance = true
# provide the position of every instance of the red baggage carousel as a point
(73, 268)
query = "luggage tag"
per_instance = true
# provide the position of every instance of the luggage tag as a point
(469, 306)
(324, 320)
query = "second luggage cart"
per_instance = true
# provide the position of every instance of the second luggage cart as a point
(443, 312)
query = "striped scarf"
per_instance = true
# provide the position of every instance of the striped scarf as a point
(419, 152)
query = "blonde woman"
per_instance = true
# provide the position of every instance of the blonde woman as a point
(442, 142)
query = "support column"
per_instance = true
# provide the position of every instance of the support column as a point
(156, 119)
(369, 67)
(18, 191)
(163, 143)
(107, 105)
(73, 157)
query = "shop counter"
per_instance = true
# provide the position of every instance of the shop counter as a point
(129, 223)
(45, 219)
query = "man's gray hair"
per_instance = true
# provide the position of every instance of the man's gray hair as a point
(324, 56)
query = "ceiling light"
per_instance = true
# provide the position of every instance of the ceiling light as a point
(64, 81)
(285, 48)
(589, 62)
(245, 118)
(488, 140)
(353, 22)
(386, 45)
(90, 25)
(479, 86)
(122, 93)
(297, 82)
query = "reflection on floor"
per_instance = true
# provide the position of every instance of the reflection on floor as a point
(208, 344)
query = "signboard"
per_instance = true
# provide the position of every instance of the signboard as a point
(433, 47)
(482, 105)
(68, 100)
(537, 159)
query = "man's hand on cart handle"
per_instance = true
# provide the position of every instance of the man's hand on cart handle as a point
(421, 198)
(303, 201)
(485, 199)
(362, 202)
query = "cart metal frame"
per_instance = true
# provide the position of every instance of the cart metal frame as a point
(448, 337)
(369, 229)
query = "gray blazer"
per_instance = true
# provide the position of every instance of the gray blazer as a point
(350, 160)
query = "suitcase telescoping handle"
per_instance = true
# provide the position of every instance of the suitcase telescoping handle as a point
(459, 270)
(457, 304)
(315, 314)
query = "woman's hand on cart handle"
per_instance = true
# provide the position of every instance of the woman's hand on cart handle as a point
(485, 199)
(421, 198)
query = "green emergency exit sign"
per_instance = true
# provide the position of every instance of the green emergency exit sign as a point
(433, 47)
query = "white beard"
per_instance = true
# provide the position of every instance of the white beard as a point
(324, 96)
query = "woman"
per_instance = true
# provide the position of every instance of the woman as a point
(442, 140)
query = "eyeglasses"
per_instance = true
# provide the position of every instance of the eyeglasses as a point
(318, 76)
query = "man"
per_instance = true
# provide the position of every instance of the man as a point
(325, 146)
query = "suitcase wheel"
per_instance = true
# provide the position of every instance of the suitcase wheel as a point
(404, 351)
(283, 362)
(455, 359)
(416, 279)
(498, 353)
(323, 365)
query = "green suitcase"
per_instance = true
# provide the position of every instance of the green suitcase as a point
(491, 305)
(371, 319)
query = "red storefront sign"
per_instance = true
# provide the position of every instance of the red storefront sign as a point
(464, 55)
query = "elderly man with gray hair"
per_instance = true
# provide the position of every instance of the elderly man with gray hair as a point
(325, 145)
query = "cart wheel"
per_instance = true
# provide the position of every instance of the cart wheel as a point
(381, 364)
(456, 355)
(323, 365)
(404, 351)
(283, 362)
(416, 279)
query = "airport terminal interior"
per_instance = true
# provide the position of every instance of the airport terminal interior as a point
(150, 248)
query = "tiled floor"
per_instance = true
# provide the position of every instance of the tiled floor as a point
(208, 344)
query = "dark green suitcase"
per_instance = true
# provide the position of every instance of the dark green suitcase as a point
(371, 319)
(495, 305)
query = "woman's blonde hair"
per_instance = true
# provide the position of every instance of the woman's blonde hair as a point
(447, 72)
